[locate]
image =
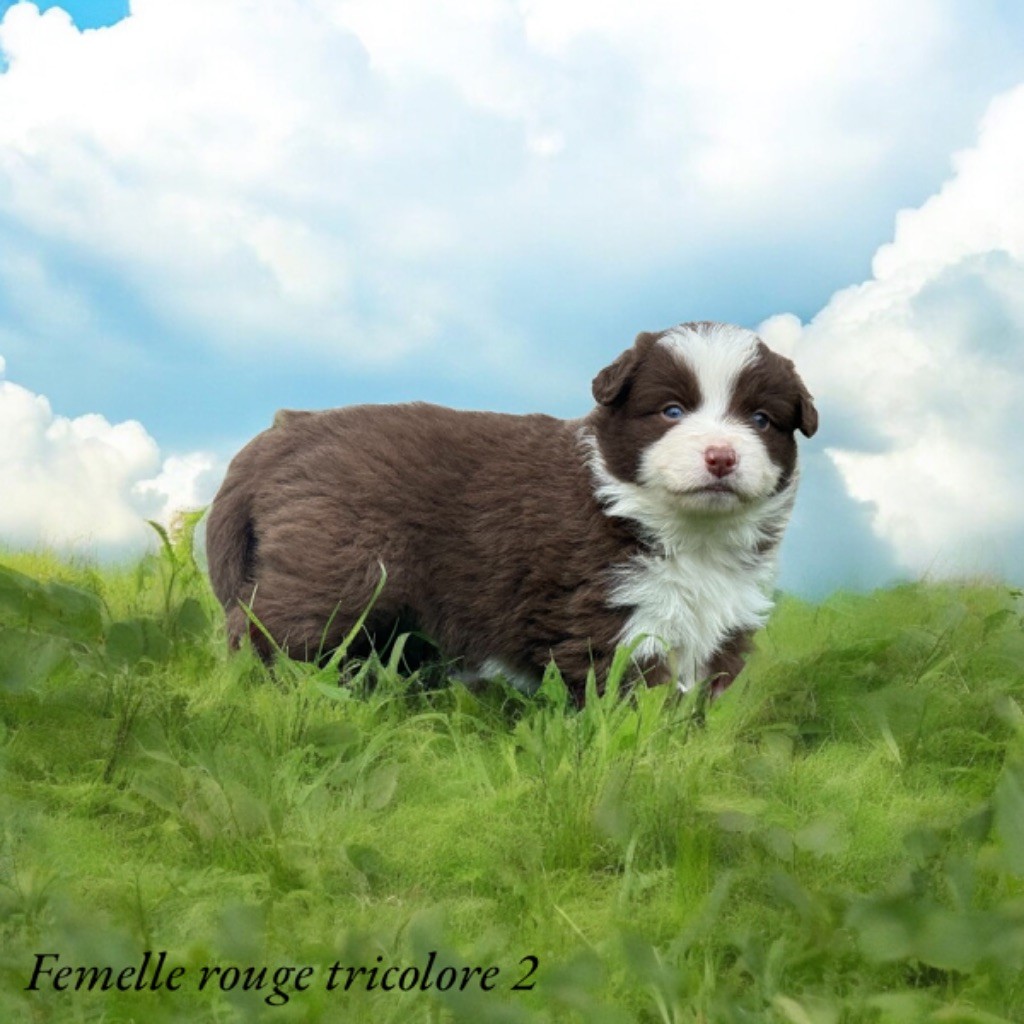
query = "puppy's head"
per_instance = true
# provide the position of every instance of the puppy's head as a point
(705, 412)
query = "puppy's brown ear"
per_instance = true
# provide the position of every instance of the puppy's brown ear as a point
(611, 385)
(806, 416)
(807, 420)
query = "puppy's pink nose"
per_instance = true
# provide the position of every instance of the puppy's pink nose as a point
(720, 459)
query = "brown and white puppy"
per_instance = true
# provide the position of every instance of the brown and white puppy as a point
(513, 540)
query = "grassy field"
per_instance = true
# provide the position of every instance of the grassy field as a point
(838, 839)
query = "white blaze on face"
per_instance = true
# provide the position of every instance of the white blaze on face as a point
(716, 356)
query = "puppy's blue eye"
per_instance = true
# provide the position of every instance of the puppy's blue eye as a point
(672, 412)
(761, 420)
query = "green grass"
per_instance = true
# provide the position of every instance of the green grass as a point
(839, 839)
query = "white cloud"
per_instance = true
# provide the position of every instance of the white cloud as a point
(87, 483)
(920, 370)
(351, 176)
(756, 95)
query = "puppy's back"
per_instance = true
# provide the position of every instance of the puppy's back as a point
(310, 509)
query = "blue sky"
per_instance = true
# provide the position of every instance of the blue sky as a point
(86, 13)
(208, 212)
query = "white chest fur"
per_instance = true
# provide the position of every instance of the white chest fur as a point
(703, 577)
(684, 605)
